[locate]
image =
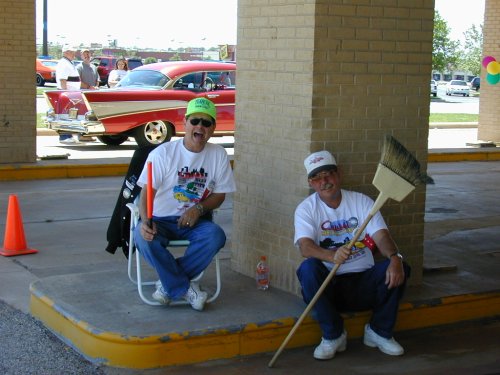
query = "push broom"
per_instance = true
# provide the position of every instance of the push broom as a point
(397, 175)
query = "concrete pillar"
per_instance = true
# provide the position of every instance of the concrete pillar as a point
(17, 81)
(329, 75)
(489, 110)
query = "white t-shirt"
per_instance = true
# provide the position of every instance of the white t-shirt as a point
(331, 228)
(116, 75)
(183, 178)
(66, 70)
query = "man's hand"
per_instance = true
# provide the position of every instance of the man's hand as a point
(189, 218)
(147, 232)
(341, 254)
(395, 274)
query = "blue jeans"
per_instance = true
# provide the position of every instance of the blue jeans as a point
(206, 239)
(351, 292)
(65, 136)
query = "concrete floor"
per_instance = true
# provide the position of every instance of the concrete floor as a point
(74, 276)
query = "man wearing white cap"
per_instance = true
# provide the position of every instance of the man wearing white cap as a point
(325, 222)
(67, 78)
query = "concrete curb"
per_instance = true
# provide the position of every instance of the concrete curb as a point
(77, 169)
(169, 349)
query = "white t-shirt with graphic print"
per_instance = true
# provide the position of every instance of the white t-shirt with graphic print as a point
(183, 178)
(331, 228)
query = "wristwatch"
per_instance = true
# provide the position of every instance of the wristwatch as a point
(200, 209)
(396, 254)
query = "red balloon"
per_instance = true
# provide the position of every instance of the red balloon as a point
(487, 60)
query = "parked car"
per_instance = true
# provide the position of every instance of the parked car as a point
(434, 88)
(105, 64)
(475, 84)
(457, 87)
(45, 71)
(149, 104)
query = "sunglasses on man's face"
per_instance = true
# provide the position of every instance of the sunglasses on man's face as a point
(196, 121)
(321, 175)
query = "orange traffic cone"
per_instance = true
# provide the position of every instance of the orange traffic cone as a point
(14, 242)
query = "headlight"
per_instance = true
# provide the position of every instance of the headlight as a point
(51, 113)
(90, 116)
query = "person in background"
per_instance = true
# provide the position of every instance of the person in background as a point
(117, 74)
(225, 79)
(325, 222)
(67, 78)
(190, 178)
(89, 78)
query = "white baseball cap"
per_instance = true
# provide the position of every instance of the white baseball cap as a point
(319, 161)
(68, 47)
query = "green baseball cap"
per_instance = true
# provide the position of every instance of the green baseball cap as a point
(201, 105)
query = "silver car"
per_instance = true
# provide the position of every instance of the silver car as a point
(457, 87)
(434, 88)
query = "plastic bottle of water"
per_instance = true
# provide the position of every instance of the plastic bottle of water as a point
(262, 274)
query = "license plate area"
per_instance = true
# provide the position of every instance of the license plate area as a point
(73, 113)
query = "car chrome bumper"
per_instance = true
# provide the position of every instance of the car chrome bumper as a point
(76, 126)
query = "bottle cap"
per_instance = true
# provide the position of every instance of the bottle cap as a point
(263, 257)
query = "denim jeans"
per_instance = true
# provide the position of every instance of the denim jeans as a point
(351, 292)
(206, 239)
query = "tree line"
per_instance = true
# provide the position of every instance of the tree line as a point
(449, 55)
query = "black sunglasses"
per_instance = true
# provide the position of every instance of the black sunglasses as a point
(196, 121)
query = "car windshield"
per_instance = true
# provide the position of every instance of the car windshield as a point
(49, 63)
(145, 79)
(459, 83)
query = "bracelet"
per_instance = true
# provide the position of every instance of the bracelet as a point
(200, 209)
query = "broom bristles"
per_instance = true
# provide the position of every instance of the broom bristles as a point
(399, 160)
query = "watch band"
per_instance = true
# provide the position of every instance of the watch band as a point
(200, 208)
(396, 254)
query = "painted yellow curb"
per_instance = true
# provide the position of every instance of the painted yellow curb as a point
(168, 349)
(436, 157)
(39, 172)
(114, 349)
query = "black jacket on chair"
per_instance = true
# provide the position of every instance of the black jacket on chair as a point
(118, 229)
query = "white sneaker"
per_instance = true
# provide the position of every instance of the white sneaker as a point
(387, 346)
(196, 297)
(327, 348)
(161, 295)
(69, 141)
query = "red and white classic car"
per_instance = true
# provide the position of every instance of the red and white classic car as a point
(148, 104)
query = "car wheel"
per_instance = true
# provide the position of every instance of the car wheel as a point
(112, 140)
(434, 94)
(39, 80)
(153, 133)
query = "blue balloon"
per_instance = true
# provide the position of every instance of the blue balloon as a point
(492, 79)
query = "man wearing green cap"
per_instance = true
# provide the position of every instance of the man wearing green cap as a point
(190, 179)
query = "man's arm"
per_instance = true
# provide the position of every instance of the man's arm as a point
(395, 274)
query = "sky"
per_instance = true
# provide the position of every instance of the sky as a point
(163, 24)
(158, 24)
(460, 15)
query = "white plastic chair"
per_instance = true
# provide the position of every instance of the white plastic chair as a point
(137, 278)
